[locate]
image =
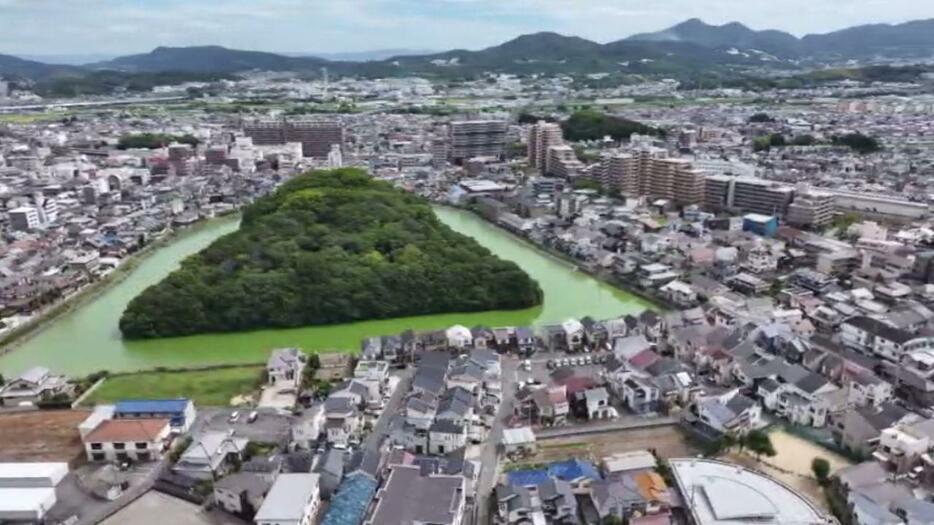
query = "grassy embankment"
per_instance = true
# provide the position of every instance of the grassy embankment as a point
(213, 387)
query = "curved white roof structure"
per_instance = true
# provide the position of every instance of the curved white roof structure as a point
(719, 493)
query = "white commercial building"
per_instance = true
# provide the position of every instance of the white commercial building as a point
(718, 493)
(27, 490)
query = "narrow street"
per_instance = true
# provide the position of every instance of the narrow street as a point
(489, 458)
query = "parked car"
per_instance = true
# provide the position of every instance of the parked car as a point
(234, 417)
(252, 417)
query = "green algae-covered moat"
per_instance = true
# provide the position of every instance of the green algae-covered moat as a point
(89, 339)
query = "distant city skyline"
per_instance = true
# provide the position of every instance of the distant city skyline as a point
(116, 27)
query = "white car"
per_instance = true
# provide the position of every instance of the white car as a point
(234, 417)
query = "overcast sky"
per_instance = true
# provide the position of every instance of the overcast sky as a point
(129, 26)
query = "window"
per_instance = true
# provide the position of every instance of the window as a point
(142, 446)
(119, 446)
(122, 456)
(97, 446)
(98, 456)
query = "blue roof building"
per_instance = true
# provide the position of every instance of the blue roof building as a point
(179, 412)
(349, 505)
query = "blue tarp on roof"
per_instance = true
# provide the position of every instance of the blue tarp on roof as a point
(348, 506)
(569, 470)
(151, 406)
(527, 478)
(573, 469)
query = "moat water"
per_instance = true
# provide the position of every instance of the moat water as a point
(87, 339)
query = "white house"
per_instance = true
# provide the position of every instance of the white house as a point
(574, 331)
(285, 366)
(446, 436)
(459, 336)
(128, 440)
(294, 499)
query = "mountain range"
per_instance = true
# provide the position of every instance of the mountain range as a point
(692, 46)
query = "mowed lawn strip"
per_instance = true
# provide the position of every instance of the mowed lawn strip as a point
(213, 387)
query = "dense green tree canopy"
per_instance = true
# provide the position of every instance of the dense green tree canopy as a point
(329, 247)
(588, 124)
(154, 140)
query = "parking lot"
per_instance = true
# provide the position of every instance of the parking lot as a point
(542, 365)
(270, 425)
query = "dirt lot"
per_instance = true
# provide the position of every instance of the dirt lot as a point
(668, 442)
(792, 464)
(155, 507)
(42, 435)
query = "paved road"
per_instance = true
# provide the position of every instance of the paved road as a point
(393, 406)
(624, 423)
(489, 458)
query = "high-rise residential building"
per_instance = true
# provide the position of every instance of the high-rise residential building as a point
(477, 138)
(649, 172)
(315, 136)
(561, 161)
(24, 218)
(542, 136)
(439, 152)
(4, 89)
(811, 209)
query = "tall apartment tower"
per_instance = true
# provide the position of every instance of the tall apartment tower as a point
(542, 136)
(649, 171)
(561, 161)
(622, 174)
(477, 138)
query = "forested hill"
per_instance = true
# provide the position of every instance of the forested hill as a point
(329, 247)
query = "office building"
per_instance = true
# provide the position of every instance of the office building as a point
(761, 196)
(811, 209)
(748, 195)
(542, 136)
(24, 218)
(477, 138)
(315, 136)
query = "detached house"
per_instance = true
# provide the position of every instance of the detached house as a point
(342, 421)
(730, 413)
(32, 386)
(873, 337)
(211, 455)
(803, 400)
(284, 367)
